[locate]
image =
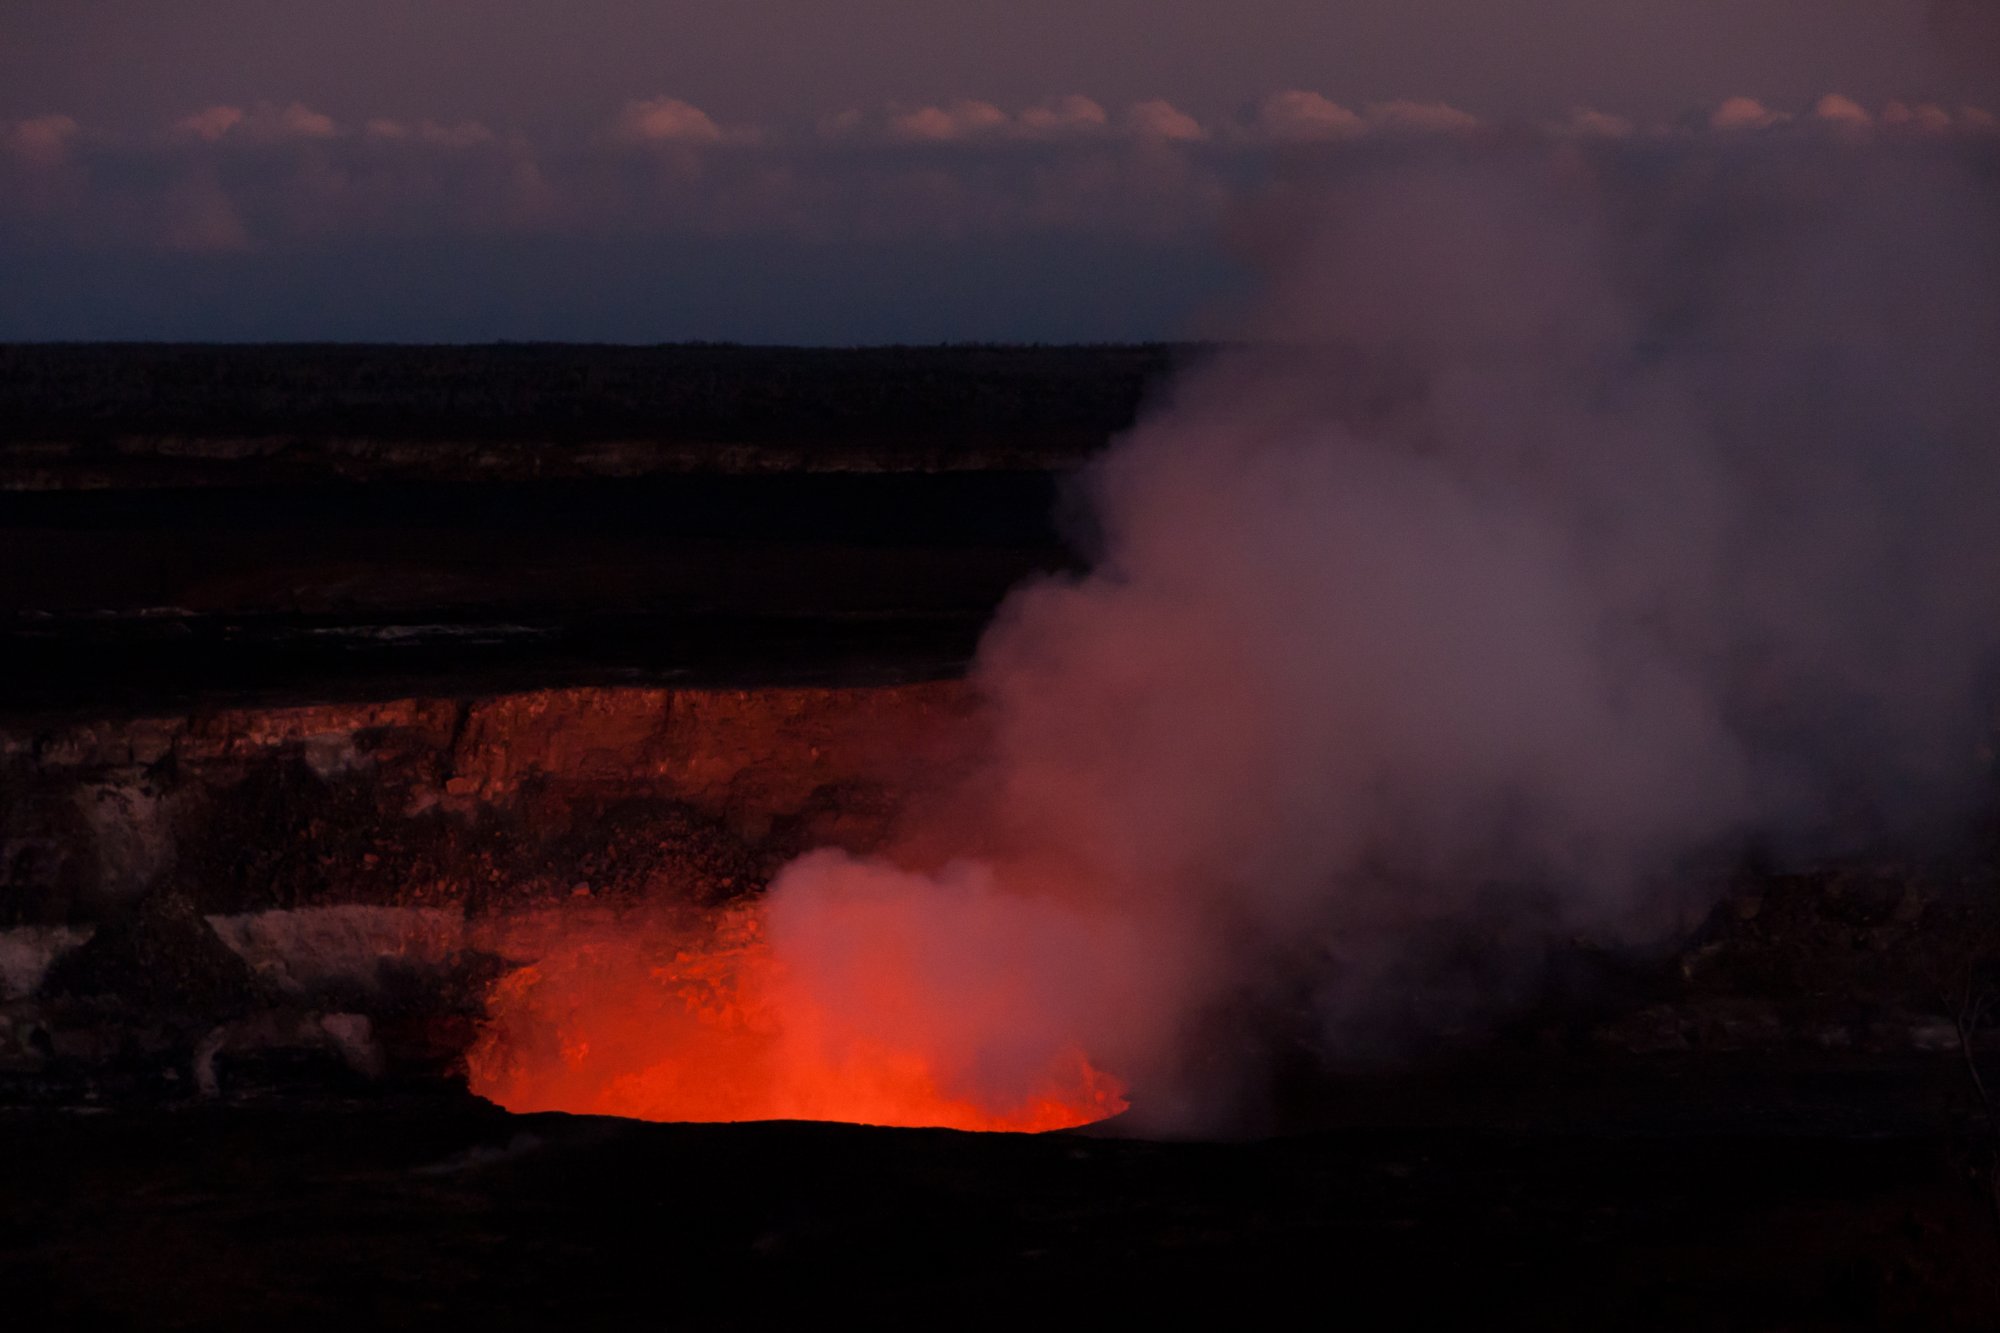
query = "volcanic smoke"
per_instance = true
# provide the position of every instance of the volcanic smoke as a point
(1560, 525)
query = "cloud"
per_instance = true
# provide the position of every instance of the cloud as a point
(1072, 118)
(1421, 118)
(1924, 118)
(963, 119)
(1074, 114)
(669, 120)
(1159, 119)
(211, 124)
(464, 134)
(1744, 113)
(842, 124)
(959, 168)
(263, 123)
(200, 218)
(1843, 111)
(41, 178)
(1299, 115)
(41, 141)
(1587, 123)
(303, 123)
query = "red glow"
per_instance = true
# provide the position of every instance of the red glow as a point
(699, 1021)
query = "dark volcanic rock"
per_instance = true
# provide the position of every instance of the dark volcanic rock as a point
(400, 1213)
(480, 804)
(81, 414)
(366, 859)
(160, 959)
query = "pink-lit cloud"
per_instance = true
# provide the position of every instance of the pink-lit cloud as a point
(1073, 117)
(263, 123)
(1843, 111)
(1589, 123)
(842, 124)
(1924, 118)
(666, 120)
(212, 123)
(968, 118)
(1744, 113)
(1158, 119)
(1421, 118)
(462, 134)
(200, 217)
(954, 168)
(1074, 114)
(42, 141)
(301, 122)
(1300, 115)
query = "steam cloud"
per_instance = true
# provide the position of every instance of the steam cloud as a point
(1560, 520)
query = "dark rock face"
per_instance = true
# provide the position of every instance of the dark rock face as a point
(121, 414)
(475, 804)
(163, 877)
(160, 957)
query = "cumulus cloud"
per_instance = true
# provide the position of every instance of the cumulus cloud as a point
(1744, 113)
(199, 217)
(669, 120)
(1924, 118)
(1588, 123)
(42, 141)
(1064, 166)
(1843, 111)
(1074, 114)
(1420, 118)
(462, 134)
(1158, 119)
(211, 124)
(304, 123)
(1299, 115)
(966, 118)
(841, 124)
(1073, 118)
(41, 172)
(263, 123)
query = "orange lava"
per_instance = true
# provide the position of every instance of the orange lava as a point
(677, 1020)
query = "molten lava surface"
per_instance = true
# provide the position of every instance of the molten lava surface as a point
(685, 1019)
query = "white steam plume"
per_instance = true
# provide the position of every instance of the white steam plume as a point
(1560, 518)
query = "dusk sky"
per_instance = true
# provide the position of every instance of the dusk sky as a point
(792, 170)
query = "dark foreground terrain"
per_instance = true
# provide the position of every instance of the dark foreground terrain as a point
(1716, 1196)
